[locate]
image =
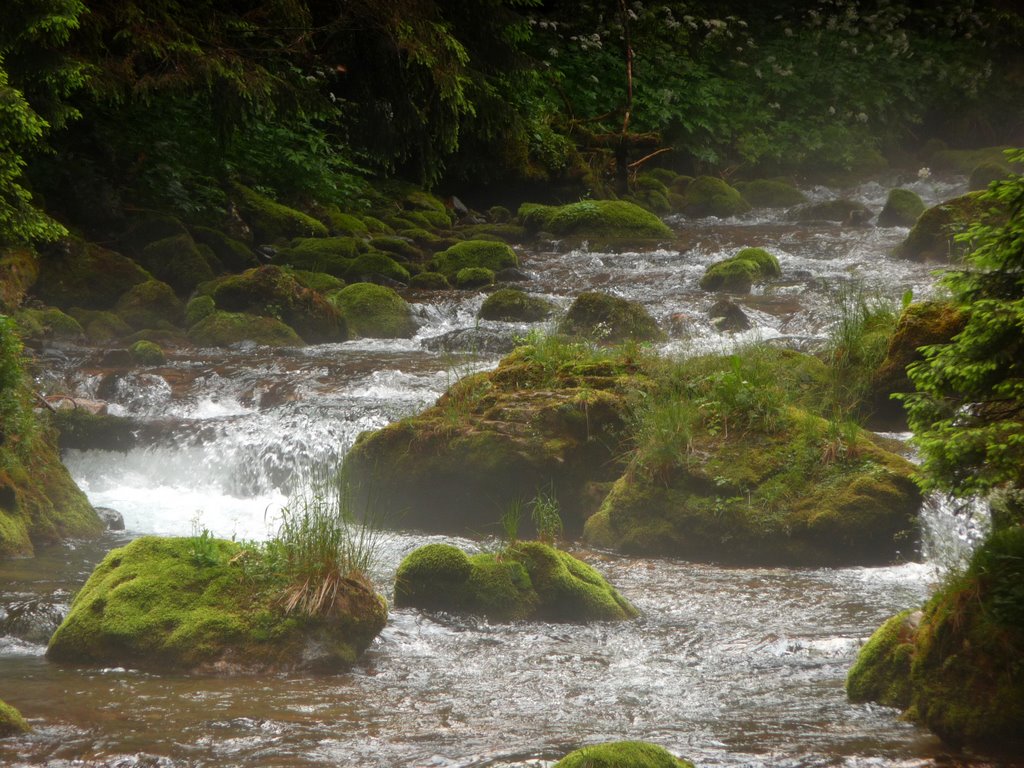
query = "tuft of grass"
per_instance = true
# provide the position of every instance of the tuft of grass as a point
(203, 549)
(511, 519)
(547, 517)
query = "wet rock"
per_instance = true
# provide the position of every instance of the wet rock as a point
(511, 305)
(738, 273)
(609, 319)
(589, 218)
(841, 210)
(902, 208)
(65, 402)
(113, 519)
(31, 618)
(374, 311)
(512, 275)
(68, 270)
(727, 316)
(83, 430)
(117, 358)
(933, 236)
(711, 196)
(483, 340)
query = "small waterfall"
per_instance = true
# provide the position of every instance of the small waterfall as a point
(952, 528)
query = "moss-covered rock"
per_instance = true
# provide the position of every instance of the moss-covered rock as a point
(430, 281)
(19, 270)
(839, 210)
(902, 209)
(612, 219)
(955, 665)
(273, 222)
(233, 254)
(321, 282)
(332, 255)
(375, 311)
(609, 319)
(152, 304)
(376, 264)
(527, 580)
(710, 196)
(273, 292)
(985, 174)
(933, 235)
(622, 754)
(770, 193)
(474, 253)
(178, 261)
(147, 353)
(191, 604)
(470, 278)
(507, 232)
(341, 223)
(965, 160)
(100, 327)
(513, 305)
(198, 308)
(738, 273)
(49, 324)
(222, 329)
(920, 324)
(68, 270)
(398, 247)
(11, 721)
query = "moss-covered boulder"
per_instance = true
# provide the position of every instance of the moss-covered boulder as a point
(374, 265)
(233, 254)
(399, 248)
(902, 209)
(955, 665)
(622, 754)
(273, 292)
(933, 236)
(68, 270)
(710, 196)
(474, 253)
(39, 502)
(548, 417)
(770, 193)
(222, 329)
(985, 173)
(202, 604)
(332, 255)
(471, 278)
(19, 270)
(374, 311)
(738, 273)
(429, 281)
(198, 308)
(513, 305)
(147, 353)
(526, 580)
(152, 304)
(839, 210)
(273, 222)
(321, 282)
(610, 219)
(178, 261)
(48, 324)
(920, 324)
(609, 319)
(11, 721)
(101, 327)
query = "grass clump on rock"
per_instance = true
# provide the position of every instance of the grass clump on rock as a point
(374, 311)
(511, 304)
(526, 580)
(609, 319)
(622, 754)
(613, 219)
(738, 273)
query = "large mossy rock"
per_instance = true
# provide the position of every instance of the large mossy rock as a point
(738, 273)
(222, 329)
(178, 261)
(770, 193)
(233, 254)
(271, 221)
(902, 208)
(48, 323)
(333, 255)
(609, 319)
(840, 210)
(955, 665)
(513, 305)
(622, 754)
(19, 270)
(487, 254)
(527, 580)
(69, 270)
(607, 219)
(372, 266)
(11, 721)
(374, 311)
(542, 419)
(933, 236)
(152, 304)
(710, 196)
(274, 292)
(189, 604)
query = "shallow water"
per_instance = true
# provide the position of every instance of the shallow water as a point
(731, 667)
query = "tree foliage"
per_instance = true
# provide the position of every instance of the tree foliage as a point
(968, 412)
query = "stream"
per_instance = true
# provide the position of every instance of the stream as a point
(726, 666)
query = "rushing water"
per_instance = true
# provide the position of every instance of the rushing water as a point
(727, 666)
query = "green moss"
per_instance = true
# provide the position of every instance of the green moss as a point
(198, 308)
(178, 261)
(622, 754)
(587, 218)
(346, 223)
(610, 319)
(738, 273)
(100, 327)
(511, 304)
(902, 209)
(233, 254)
(374, 311)
(274, 292)
(475, 253)
(882, 670)
(147, 353)
(321, 282)
(152, 304)
(222, 329)
(370, 265)
(11, 721)
(509, 233)
(68, 270)
(398, 247)
(839, 210)
(171, 604)
(271, 221)
(767, 264)
(431, 281)
(528, 580)
(49, 323)
(19, 270)
(770, 193)
(473, 277)
(932, 237)
(710, 196)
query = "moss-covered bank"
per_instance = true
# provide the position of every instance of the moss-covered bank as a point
(202, 604)
(527, 580)
(955, 666)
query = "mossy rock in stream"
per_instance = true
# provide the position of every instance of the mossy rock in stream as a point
(101, 327)
(333, 255)
(985, 174)
(374, 265)
(152, 304)
(710, 196)
(488, 254)
(200, 604)
(374, 311)
(147, 353)
(179, 262)
(770, 193)
(273, 222)
(12, 722)
(527, 580)
(609, 319)
(471, 278)
(954, 666)
(513, 305)
(933, 236)
(494, 437)
(274, 292)
(902, 208)
(610, 219)
(622, 754)
(738, 273)
(839, 210)
(222, 329)
(48, 324)
(68, 272)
